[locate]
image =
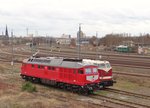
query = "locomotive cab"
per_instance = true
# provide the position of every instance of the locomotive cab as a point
(104, 70)
(91, 74)
(87, 75)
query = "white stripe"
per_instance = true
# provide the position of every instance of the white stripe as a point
(106, 77)
(105, 69)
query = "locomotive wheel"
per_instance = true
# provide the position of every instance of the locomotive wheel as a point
(83, 91)
(64, 87)
(102, 87)
(69, 88)
(86, 93)
(74, 90)
(26, 78)
(36, 80)
(30, 79)
(90, 92)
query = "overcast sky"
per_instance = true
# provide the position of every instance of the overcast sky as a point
(55, 17)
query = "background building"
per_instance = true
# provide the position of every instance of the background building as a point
(64, 39)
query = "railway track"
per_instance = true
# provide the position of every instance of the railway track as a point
(105, 99)
(128, 93)
(138, 64)
(100, 100)
(123, 62)
(96, 100)
(8, 58)
(131, 74)
(66, 99)
(131, 66)
(110, 56)
(105, 54)
(118, 73)
(126, 104)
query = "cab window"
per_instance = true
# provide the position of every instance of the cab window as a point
(53, 68)
(39, 66)
(108, 65)
(95, 64)
(101, 65)
(88, 71)
(80, 71)
(42, 67)
(94, 70)
(32, 65)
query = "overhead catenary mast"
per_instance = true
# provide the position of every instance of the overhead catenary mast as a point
(97, 45)
(27, 31)
(78, 40)
(32, 46)
(6, 32)
(12, 59)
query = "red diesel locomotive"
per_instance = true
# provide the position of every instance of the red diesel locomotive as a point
(70, 74)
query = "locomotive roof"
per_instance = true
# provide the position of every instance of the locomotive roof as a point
(94, 61)
(55, 61)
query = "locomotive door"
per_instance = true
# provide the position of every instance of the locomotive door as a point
(74, 77)
(80, 76)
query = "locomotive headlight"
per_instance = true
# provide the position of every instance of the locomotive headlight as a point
(106, 77)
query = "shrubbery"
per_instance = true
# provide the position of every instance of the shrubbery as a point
(28, 86)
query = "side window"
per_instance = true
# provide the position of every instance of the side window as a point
(101, 65)
(39, 66)
(53, 68)
(49, 68)
(95, 64)
(94, 70)
(108, 65)
(32, 65)
(88, 71)
(80, 71)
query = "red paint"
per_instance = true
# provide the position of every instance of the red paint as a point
(60, 74)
